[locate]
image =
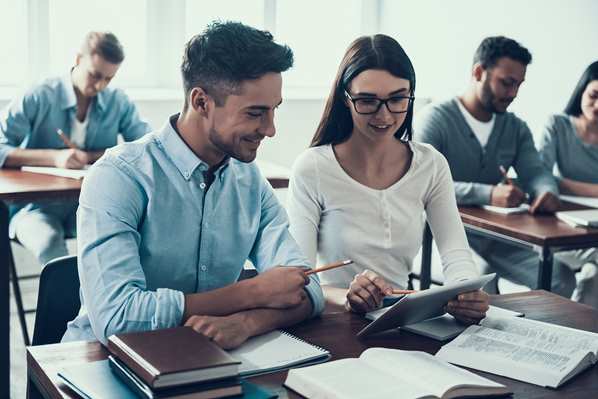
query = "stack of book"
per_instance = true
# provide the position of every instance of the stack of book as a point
(174, 362)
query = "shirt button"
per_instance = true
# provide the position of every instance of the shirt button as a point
(202, 185)
(186, 175)
(204, 268)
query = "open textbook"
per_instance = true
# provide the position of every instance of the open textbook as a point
(527, 350)
(389, 373)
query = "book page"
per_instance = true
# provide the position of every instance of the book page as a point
(546, 336)
(587, 201)
(511, 355)
(351, 378)
(419, 368)
(61, 172)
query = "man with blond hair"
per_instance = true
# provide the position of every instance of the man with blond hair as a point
(89, 114)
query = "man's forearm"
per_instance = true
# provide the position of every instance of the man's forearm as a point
(262, 320)
(21, 157)
(222, 301)
(95, 155)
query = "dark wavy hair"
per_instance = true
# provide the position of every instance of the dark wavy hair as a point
(228, 53)
(367, 52)
(491, 49)
(573, 107)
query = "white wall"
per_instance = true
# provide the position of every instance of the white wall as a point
(441, 38)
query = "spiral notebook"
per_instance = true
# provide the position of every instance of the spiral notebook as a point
(275, 351)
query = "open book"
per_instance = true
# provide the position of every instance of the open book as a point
(527, 350)
(389, 373)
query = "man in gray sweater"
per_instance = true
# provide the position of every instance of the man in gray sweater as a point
(481, 141)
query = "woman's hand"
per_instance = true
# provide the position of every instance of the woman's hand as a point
(469, 307)
(367, 291)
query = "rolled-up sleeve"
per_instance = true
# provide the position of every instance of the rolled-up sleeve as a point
(274, 245)
(113, 282)
(15, 123)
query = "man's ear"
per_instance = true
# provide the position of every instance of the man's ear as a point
(478, 71)
(78, 59)
(200, 101)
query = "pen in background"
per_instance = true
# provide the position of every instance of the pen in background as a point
(65, 139)
(503, 172)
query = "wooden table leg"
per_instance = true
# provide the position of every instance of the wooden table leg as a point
(4, 304)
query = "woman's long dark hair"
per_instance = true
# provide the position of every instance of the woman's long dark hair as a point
(367, 52)
(573, 107)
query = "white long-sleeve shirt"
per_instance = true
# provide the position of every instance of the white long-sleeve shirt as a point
(334, 217)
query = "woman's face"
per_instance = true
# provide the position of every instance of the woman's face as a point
(366, 89)
(589, 101)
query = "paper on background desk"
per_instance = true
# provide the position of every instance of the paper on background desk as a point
(523, 208)
(587, 201)
(61, 172)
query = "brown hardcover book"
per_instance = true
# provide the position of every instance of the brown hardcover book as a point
(172, 357)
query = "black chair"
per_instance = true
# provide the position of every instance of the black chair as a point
(16, 290)
(57, 301)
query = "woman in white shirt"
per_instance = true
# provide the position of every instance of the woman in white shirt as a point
(361, 190)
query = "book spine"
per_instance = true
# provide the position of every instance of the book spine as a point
(123, 355)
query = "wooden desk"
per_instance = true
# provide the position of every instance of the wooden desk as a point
(544, 234)
(336, 332)
(17, 186)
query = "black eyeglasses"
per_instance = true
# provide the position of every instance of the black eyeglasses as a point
(371, 105)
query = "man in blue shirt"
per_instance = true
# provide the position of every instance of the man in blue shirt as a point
(91, 115)
(167, 222)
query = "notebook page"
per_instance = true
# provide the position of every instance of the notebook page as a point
(523, 208)
(587, 201)
(61, 172)
(274, 351)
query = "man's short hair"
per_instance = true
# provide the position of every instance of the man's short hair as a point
(104, 44)
(493, 48)
(228, 53)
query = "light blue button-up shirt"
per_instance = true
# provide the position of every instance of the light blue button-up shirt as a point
(151, 230)
(31, 120)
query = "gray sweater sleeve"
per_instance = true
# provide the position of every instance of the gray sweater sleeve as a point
(531, 171)
(432, 126)
(548, 145)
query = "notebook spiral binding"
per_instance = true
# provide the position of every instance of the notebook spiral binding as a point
(305, 342)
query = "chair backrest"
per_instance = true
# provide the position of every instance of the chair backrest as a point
(57, 301)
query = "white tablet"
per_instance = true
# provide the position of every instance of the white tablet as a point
(422, 305)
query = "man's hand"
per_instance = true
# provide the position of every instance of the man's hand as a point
(547, 202)
(366, 292)
(71, 159)
(506, 196)
(228, 331)
(280, 287)
(469, 307)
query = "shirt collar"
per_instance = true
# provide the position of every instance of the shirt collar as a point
(181, 155)
(69, 99)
